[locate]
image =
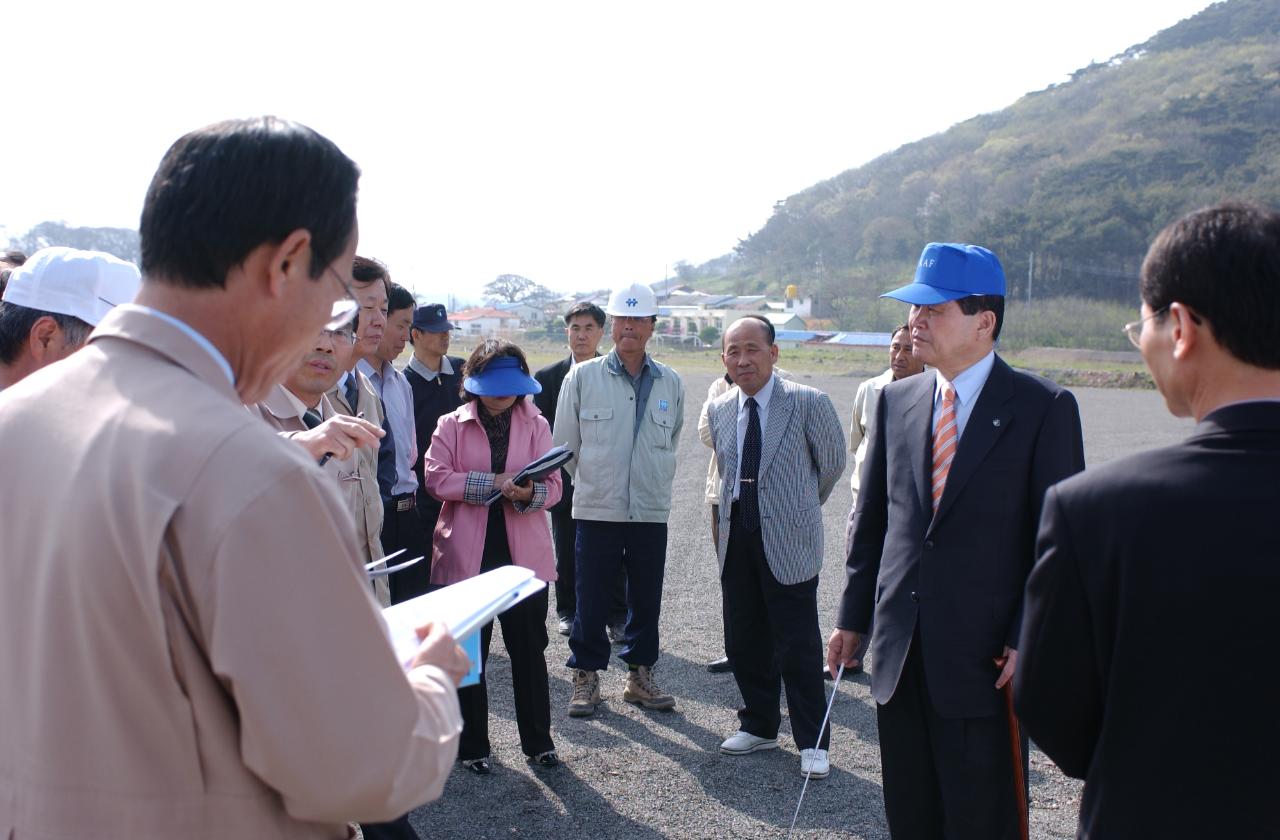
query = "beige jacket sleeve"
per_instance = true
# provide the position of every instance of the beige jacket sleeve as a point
(327, 717)
(718, 386)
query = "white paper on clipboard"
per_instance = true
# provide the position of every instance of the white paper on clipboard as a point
(464, 607)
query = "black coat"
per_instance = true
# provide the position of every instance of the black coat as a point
(959, 573)
(1148, 652)
(551, 378)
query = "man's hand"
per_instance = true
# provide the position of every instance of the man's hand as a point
(438, 648)
(1007, 664)
(841, 648)
(511, 491)
(341, 435)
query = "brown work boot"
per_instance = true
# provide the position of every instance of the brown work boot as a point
(586, 694)
(642, 690)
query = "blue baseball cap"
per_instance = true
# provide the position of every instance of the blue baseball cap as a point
(502, 377)
(949, 271)
(431, 317)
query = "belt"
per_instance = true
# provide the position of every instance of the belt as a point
(403, 502)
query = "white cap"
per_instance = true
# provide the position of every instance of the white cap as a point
(636, 300)
(68, 281)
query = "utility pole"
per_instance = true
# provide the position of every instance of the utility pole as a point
(1031, 267)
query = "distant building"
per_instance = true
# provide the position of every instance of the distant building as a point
(859, 339)
(485, 321)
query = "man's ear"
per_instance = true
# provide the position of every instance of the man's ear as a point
(987, 323)
(44, 334)
(289, 261)
(1186, 330)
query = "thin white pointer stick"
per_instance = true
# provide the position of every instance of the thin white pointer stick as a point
(835, 689)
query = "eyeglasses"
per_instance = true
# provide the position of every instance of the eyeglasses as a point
(342, 335)
(344, 309)
(1133, 329)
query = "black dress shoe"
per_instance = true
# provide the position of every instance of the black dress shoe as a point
(479, 766)
(849, 672)
(546, 759)
(719, 666)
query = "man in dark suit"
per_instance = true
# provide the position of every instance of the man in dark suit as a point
(1150, 635)
(584, 327)
(435, 378)
(781, 449)
(943, 540)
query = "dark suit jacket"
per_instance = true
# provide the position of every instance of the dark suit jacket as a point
(551, 378)
(1148, 652)
(431, 401)
(960, 574)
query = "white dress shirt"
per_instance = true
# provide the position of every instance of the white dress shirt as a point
(968, 385)
(397, 400)
(744, 416)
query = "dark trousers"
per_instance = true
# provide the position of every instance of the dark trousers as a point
(864, 641)
(403, 529)
(564, 533)
(944, 777)
(524, 632)
(772, 638)
(605, 548)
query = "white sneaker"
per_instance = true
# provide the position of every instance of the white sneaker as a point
(741, 743)
(814, 764)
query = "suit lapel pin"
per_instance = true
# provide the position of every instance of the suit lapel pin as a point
(996, 422)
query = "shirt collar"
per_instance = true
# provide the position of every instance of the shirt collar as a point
(204, 343)
(614, 362)
(762, 396)
(968, 382)
(418, 366)
(297, 404)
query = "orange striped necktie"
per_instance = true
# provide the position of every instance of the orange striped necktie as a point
(944, 443)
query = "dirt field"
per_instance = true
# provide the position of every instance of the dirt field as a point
(639, 775)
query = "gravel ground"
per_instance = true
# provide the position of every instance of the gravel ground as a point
(634, 774)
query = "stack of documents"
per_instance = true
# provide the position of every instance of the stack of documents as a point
(464, 608)
(550, 461)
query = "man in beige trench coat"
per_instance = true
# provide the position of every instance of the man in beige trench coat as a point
(187, 644)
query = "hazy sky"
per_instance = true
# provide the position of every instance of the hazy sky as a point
(582, 145)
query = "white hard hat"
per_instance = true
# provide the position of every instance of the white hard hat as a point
(68, 281)
(636, 300)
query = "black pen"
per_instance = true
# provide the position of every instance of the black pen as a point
(324, 460)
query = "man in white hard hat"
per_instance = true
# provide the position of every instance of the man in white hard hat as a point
(622, 414)
(53, 301)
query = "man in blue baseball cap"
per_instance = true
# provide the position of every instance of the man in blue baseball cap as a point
(942, 566)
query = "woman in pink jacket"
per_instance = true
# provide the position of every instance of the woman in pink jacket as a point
(477, 448)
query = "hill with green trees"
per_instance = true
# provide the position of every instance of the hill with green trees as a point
(1068, 185)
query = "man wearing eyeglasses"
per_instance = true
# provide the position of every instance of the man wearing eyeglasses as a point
(299, 409)
(943, 539)
(187, 640)
(1150, 635)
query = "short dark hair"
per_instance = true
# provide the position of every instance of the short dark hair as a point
(485, 352)
(973, 304)
(365, 270)
(1224, 263)
(226, 189)
(586, 308)
(16, 323)
(398, 297)
(899, 329)
(769, 331)
(14, 258)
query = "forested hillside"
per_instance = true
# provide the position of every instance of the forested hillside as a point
(1067, 185)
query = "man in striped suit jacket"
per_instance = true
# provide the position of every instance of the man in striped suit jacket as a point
(781, 449)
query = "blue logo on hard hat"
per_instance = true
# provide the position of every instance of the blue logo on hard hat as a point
(632, 301)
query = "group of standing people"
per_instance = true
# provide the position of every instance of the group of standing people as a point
(201, 653)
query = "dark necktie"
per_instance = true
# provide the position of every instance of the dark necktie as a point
(748, 496)
(351, 394)
(311, 418)
(386, 458)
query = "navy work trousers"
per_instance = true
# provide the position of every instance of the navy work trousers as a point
(605, 548)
